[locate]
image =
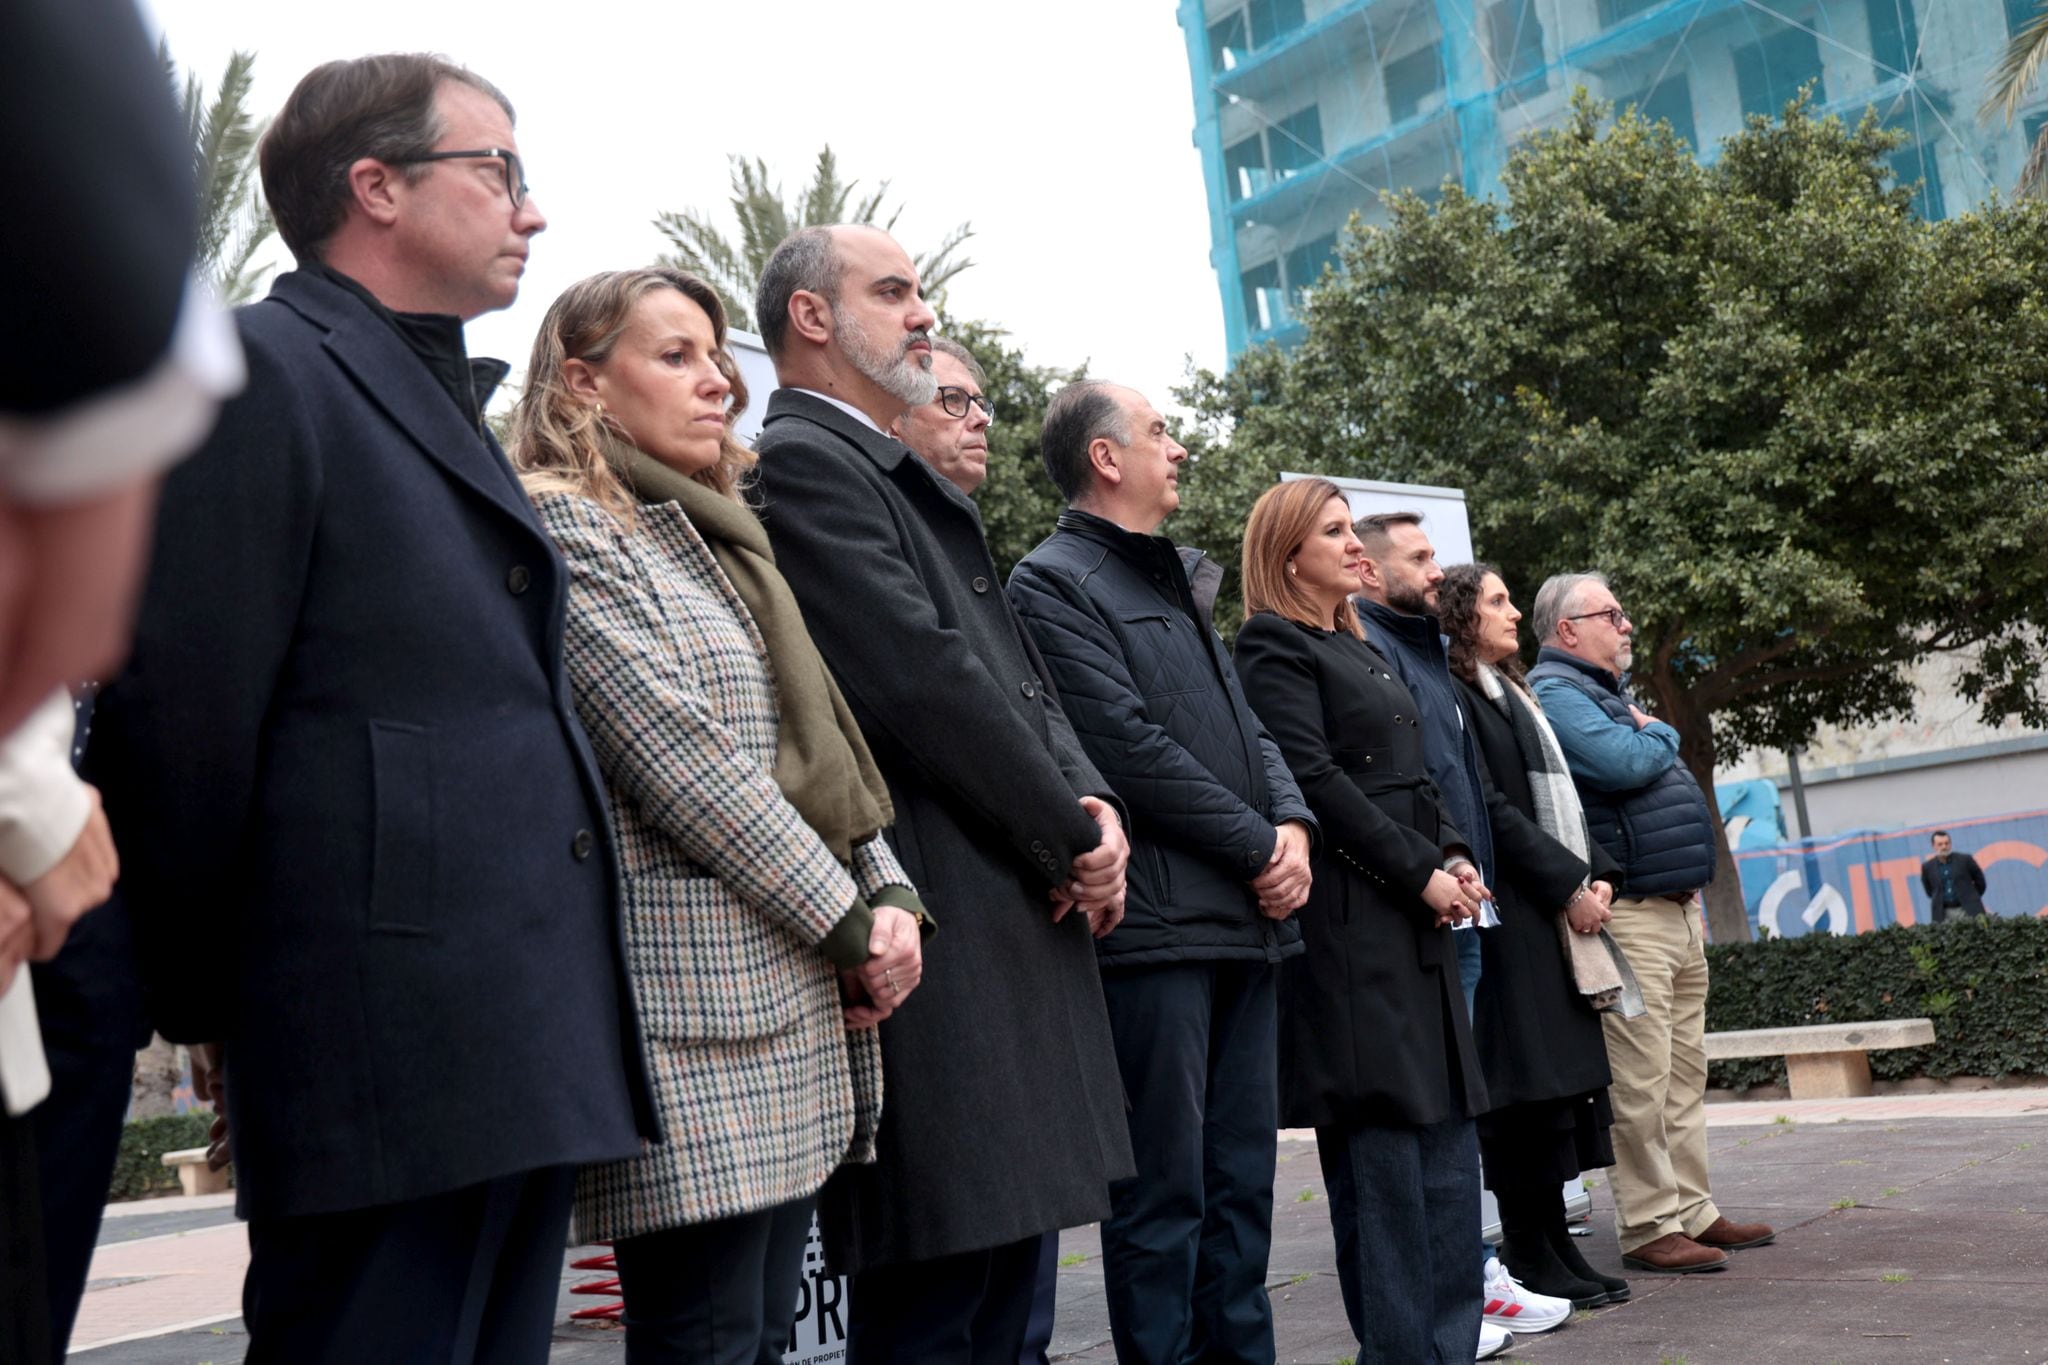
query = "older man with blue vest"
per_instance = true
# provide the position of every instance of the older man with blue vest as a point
(1644, 808)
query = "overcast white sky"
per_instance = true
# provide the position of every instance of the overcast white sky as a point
(1059, 128)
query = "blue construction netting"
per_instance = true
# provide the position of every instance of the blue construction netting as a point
(1306, 110)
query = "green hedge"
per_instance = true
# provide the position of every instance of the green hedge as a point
(1984, 983)
(139, 1169)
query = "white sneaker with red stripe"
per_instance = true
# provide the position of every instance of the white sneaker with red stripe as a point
(1493, 1341)
(1509, 1304)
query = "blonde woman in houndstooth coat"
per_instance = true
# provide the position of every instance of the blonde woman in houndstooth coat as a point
(768, 929)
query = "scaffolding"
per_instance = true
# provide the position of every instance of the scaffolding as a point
(1306, 110)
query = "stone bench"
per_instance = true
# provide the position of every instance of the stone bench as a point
(1823, 1061)
(190, 1165)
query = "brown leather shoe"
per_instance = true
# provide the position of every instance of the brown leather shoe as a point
(1735, 1236)
(1674, 1254)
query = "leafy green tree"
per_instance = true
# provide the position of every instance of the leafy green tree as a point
(701, 247)
(1801, 429)
(1019, 502)
(234, 222)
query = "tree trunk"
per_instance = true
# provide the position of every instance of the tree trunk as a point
(1727, 917)
(159, 1071)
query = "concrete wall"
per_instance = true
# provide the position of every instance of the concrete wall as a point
(1958, 784)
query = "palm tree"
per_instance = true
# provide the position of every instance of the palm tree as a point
(701, 248)
(2012, 81)
(234, 222)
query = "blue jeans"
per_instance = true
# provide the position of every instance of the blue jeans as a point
(1468, 965)
(1469, 961)
(1403, 1199)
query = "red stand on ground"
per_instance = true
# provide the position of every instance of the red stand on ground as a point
(609, 1286)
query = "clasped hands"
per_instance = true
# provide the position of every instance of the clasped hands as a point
(1095, 882)
(36, 919)
(1455, 895)
(878, 987)
(1282, 887)
(1590, 908)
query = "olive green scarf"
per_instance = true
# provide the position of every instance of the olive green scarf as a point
(821, 762)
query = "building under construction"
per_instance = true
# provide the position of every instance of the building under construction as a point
(1305, 110)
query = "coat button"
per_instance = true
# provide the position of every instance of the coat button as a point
(1029, 689)
(518, 580)
(580, 846)
(980, 583)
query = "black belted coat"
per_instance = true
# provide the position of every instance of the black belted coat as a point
(1373, 1028)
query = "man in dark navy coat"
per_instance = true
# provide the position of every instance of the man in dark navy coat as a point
(364, 841)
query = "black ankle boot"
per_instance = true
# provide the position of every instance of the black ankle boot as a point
(1567, 1248)
(1531, 1259)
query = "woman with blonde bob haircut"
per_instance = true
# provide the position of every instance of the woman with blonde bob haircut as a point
(767, 928)
(1375, 1047)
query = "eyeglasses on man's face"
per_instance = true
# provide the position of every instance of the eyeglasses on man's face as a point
(1614, 616)
(515, 173)
(955, 401)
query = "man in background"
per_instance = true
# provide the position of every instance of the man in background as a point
(1953, 881)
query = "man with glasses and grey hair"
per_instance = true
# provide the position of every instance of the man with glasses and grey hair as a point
(1644, 807)
(950, 433)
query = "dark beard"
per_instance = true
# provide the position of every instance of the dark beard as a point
(1410, 601)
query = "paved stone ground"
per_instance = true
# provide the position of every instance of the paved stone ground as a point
(1907, 1235)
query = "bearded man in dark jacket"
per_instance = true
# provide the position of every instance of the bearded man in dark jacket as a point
(1219, 859)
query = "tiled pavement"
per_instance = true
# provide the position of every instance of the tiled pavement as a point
(1911, 1230)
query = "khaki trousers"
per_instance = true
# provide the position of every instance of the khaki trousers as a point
(1659, 1176)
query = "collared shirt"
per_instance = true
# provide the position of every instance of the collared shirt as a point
(845, 407)
(1948, 882)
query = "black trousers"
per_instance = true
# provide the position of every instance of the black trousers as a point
(24, 1302)
(1185, 1248)
(969, 1309)
(467, 1278)
(1044, 1302)
(717, 1293)
(78, 1136)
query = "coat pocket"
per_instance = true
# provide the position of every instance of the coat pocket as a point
(402, 837)
(707, 967)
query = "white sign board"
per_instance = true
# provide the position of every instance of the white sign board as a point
(819, 1333)
(1442, 509)
(759, 372)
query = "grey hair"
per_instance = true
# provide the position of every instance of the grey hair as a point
(808, 260)
(1556, 599)
(948, 346)
(1079, 415)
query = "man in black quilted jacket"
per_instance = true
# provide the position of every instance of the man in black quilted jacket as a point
(1220, 844)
